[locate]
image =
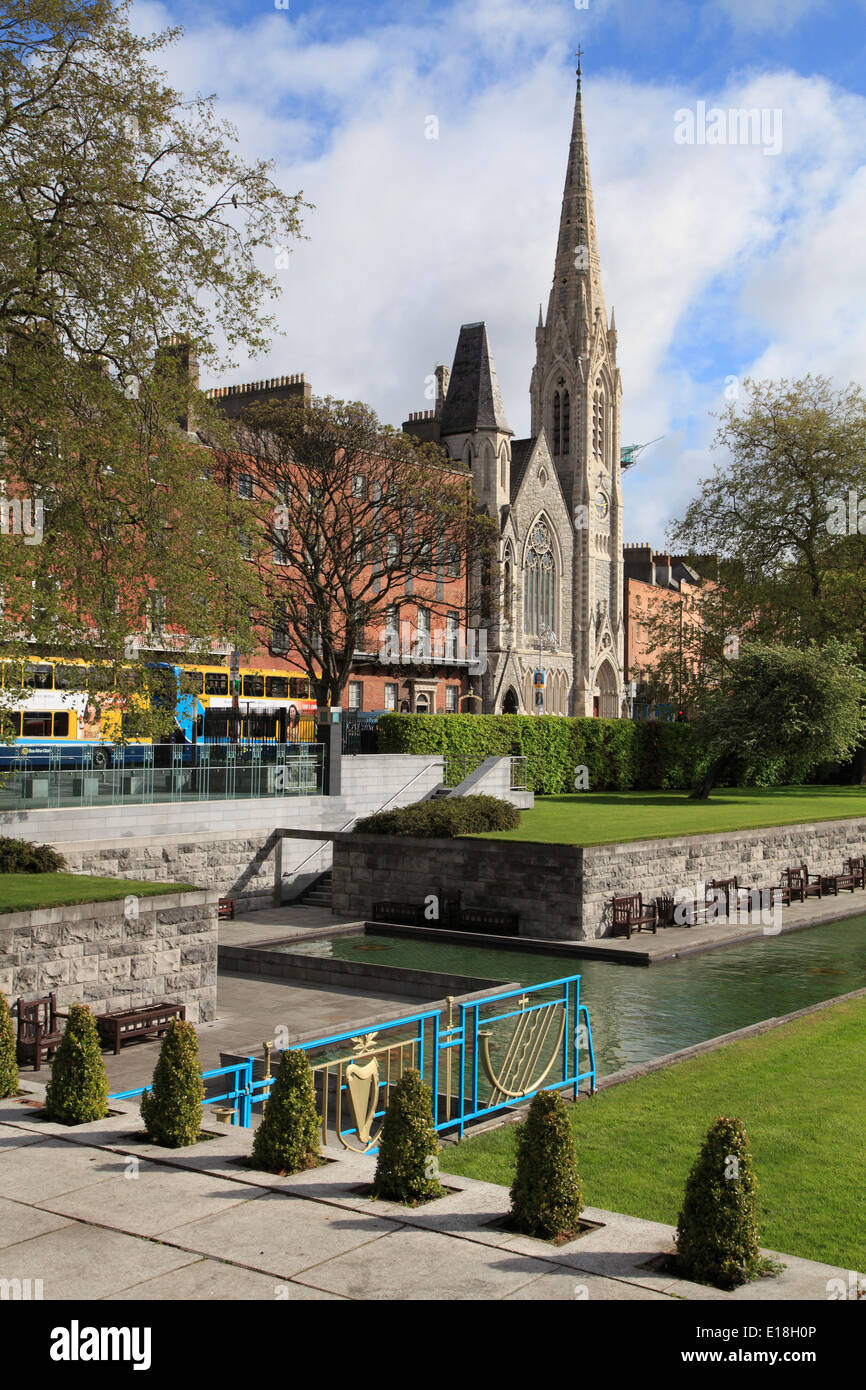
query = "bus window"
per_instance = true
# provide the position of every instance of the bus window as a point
(12, 675)
(38, 677)
(216, 683)
(254, 686)
(163, 687)
(61, 724)
(277, 687)
(69, 677)
(191, 682)
(36, 724)
(10, 724)
(99, 678)
(299, 688)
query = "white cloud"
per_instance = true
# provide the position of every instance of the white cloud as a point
(777, 16)
(412, 237)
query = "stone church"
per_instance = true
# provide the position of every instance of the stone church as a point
(557, 495)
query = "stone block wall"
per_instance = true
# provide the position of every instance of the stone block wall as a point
(755, 857)
(562, 892)
(164, 948)
(540, 882)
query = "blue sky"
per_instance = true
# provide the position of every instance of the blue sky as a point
(721, 261)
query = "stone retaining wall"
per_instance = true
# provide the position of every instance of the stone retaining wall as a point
(562, 892)
(349, 974)
(94, 954)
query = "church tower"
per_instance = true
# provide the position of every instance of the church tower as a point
(576, 396)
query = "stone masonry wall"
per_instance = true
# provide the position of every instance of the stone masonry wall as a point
(563, 893)
(755, 857)
(540, 882)
(95, 954)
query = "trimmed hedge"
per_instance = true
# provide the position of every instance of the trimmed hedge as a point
(8, 1051)
(717, 1230)
(21, 857)
(78, 1090)
(443, 818)
(620, 754)
(407, 1168)
(546, 1199)
(171, 1109)
(288, 1138)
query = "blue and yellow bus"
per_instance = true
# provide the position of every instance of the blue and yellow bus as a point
(55, 721)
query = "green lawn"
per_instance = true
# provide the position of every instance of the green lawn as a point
(596, 818)
(800, 1091)
(26, 892)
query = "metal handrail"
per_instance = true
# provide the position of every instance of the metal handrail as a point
(383, 807)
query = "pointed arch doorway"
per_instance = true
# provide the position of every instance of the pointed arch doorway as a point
(509, 704)
(604, 700)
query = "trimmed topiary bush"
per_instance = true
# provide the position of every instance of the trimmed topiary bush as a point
(171, 1109)
(443, 818)
(546, 1198)
(8, 1051)
(21, 857)
(78, 1090)
(287, 1140)
(407, 1167)
(717, 1230)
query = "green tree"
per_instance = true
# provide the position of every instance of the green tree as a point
(546, 1194)
(131, 233)
(287, 1140)
(352, 510)
(78, 1090)
(407, 1165)
(8, 1051)
(771, 513)
(778, 702)
(717, 1230)
(171, 1109)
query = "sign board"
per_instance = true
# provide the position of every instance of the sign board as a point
(538, 679)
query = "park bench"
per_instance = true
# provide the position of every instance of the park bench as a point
(400, 914)
(730, 890)
(226, 910)
(830, 883)
(630, 914)
(813, 884)
(856, 867)
(39, 1034)
(144, 1021)
(487, 919)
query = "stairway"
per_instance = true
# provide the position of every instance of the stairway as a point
(318, 894)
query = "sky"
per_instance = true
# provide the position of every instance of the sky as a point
(724, 258)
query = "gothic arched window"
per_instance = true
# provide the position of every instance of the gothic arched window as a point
(539, 583)
(556, 422)
(566, 423)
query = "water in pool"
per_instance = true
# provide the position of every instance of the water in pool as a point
(638, 1012)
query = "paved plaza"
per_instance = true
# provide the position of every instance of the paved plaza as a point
(97, 1213)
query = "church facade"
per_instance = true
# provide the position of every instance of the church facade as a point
(557, 496)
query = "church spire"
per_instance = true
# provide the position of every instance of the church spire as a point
(577, 273)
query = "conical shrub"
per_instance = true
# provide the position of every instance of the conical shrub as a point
(717, 1230)
(546, 1199)
(171, 1109)
(78, 1090)
(287, 1140)
(8, 1051)
(407, 1167)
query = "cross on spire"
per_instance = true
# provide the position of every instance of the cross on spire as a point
(579, 56)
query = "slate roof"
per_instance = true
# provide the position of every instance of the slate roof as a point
(521, 453)
(473, 401)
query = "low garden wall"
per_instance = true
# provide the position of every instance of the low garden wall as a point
(349, 974)
(562, 892)
(114, 955)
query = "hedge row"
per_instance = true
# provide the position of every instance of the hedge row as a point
(619, 754)
(441, 819)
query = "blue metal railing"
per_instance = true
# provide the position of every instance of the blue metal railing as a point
(551, 1007)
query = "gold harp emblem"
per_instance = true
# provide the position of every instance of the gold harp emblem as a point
(532, 1032)
(362, 1084)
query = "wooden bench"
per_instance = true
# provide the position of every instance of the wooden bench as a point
(487, 919)
(731, 888)
(144, 1021)
(856, 867)
(630, 914)
(401, 914)
(39, 1035)
(813, 884)
(226, 910)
